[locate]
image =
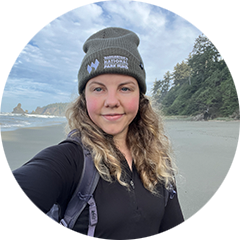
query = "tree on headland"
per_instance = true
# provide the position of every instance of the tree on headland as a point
(181, 73)
(57, 109)
(161, 88)
(202, 84)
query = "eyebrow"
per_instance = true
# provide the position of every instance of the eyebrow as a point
(121, 84)
(91, 83)
(125, 83)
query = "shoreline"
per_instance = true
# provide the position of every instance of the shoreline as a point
(192, 119)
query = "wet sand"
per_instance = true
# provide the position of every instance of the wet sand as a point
(22, 144)
(204, 152)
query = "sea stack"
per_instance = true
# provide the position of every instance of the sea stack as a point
(18, 109)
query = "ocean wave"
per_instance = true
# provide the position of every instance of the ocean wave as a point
(13, 121)
(30, 115)
(43, 116)
(15, 125)
(10, 114)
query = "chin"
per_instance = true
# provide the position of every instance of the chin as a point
(113, 132)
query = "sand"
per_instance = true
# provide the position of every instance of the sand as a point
(22, 144)
(204, 152)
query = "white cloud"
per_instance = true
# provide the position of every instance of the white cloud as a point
(82, 14)
(31, 94)
(135, 14)
(33, 55)
(52, 58)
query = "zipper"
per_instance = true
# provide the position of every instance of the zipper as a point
(132, 184)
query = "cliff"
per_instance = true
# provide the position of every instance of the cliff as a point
(56, 109)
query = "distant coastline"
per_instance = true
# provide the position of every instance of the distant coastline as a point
(55, 109)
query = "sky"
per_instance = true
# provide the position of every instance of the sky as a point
(46, 69)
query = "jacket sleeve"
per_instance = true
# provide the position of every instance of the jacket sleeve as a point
(172, 215)
(52, 175)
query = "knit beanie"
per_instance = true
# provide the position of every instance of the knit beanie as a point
(112, 50)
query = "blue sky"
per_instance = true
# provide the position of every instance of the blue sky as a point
(46, 70)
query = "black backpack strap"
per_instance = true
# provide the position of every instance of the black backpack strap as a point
(83, 194)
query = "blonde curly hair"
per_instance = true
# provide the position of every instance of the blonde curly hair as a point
(150, 148)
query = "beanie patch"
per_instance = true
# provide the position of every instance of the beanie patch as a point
(115, 62)
(93, 65)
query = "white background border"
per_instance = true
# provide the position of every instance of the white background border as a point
(21, 20)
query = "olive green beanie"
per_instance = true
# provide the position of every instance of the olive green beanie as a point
(112, 50)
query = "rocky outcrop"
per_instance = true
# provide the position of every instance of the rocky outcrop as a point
(56, 109)
(202, 117)
(235, 115)
(18, 109)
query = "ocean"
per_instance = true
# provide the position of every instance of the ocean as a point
(13, 121)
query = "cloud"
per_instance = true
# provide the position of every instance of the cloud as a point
(31, 94)
(137, 16)
(49, 63)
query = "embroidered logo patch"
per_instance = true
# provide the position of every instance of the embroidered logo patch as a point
(115, 62)
(93, 65)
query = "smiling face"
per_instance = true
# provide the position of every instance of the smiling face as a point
(112, 102)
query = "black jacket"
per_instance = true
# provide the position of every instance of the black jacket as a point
(53, 174)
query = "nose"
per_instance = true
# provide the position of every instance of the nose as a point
(112, 100)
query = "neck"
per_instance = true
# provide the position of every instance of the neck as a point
(121, 144)
(120, 140)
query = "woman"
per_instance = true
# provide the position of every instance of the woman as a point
(127, 143)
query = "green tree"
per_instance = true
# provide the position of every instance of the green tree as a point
(160, 89)
(230, 102)
(202, 84)
(203, 59)
(181, 73)
(166, 84)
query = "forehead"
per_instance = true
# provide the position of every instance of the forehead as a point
(113, 79)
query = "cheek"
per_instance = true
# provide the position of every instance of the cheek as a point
(133, 106)
(92, 107)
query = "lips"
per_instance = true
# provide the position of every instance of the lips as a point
(112, 117)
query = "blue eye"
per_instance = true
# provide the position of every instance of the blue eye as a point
(98, 89)
(125, 89)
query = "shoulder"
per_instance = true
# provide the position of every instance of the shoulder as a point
(64, 151)
(61, 158)
(51, 175)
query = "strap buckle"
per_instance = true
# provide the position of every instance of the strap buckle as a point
(62, 222)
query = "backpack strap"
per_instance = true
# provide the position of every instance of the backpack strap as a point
(170, 190)
(169, 193)
(83, 194)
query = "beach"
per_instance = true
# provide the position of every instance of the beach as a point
(24, 143)
(203, 151)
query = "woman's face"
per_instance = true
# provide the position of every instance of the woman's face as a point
(112, 102)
